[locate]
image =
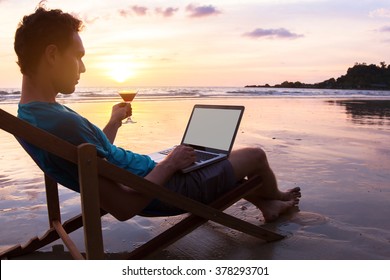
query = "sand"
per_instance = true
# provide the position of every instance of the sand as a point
(336, 150)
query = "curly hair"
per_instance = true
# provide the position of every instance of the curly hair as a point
(40, 29)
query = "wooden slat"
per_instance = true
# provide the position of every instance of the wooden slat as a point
(15, 250)
(52, 200)
(50, 236)
(90, 202)
(33, 135)
(67, 241)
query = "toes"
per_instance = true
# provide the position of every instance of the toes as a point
(295, 192)
(291, 194)
(296, 189)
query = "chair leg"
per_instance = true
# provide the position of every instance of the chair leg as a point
(89, 192)
(52, 200)
(75, 253)
(50, 236)
(90, 218)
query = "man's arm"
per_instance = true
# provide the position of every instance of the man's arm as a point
(181, 157)
(119, 112)
(111, 129)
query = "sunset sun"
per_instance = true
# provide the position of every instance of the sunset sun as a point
(120, 71)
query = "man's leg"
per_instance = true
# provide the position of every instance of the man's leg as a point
(120, 201)
(269, 199)
(249, 162)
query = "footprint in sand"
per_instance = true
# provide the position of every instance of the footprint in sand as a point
(308, 219)
(299, 220)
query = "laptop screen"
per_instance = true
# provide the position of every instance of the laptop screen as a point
(213, 127)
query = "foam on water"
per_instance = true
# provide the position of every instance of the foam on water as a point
(11, 95)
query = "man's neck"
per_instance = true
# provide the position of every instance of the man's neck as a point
(35, 90)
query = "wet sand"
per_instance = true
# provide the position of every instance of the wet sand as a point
(336, 150)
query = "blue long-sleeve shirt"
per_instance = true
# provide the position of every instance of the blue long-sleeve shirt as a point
(63, 122)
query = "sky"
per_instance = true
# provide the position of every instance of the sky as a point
(213, 42)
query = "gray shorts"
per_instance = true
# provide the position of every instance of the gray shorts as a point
(204, 185)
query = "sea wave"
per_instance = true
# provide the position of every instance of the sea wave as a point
(12, 95)
(9, 94)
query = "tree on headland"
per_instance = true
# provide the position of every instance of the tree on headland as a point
(360, 76)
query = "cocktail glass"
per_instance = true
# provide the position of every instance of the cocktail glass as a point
(128, 96)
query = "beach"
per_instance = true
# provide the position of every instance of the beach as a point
(335, 149)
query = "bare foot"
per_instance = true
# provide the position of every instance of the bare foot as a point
(281, 195)
(290, 194)
(272, 209)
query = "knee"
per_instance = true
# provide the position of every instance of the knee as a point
(121, 216)
(259, 155)
(248, 161)
(123, 213)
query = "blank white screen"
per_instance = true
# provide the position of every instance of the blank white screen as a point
(212, 128)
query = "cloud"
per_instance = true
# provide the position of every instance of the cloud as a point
(201, 11)
(385, 29)
(88, 19)
(167, 12)
(281, 33)
(143, 11)
(194, 11)
(123, 12)
(137, 10)
(382, 12)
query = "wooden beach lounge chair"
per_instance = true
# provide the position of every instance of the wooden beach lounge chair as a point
(90, 166)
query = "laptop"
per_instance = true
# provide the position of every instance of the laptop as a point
(211, 131)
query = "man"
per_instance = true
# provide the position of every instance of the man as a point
(50, 53)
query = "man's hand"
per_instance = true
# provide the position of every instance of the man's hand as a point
(120, 112)
(182, 156)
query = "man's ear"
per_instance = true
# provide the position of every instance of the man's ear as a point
(51, 54)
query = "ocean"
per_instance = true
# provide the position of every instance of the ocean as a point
(331, 143)
(11, 95)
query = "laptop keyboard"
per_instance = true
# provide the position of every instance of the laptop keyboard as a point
(167, 151)
(200, 156)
